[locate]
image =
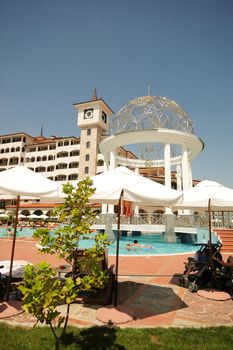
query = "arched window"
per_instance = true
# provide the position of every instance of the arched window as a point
(86, 170)
(18, 149)
(73, 177)
(87, 157)
(7, 150)
(3, 161)
(50, 168)
(74, 153)
(12, 149)
(60, 177)
(60, 143)
(100, 162)
(61, 166)
(74, 165)
(40, 169)
(33, 159)
(62, 155)
(38, 159)
(50, 157)
(88, 144)
(44, 158)
(14, 161)
(88, 132)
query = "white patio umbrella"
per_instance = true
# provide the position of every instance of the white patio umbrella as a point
(3, 215)
(21, 181)
(207, 195)
(134, 188)
(21, 216)
(122, 183)
(33, 216)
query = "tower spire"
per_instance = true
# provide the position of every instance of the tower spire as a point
(94, 94)
(149, 90)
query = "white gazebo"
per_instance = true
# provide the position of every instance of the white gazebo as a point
(153, 132)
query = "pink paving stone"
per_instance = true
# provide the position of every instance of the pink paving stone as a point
(10, 308)
(214, 294)
(114, 315)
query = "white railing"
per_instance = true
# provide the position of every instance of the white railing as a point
(194, 220)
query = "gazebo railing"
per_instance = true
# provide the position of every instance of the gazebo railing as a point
(223, 219)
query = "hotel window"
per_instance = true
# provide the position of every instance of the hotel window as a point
(73, 165)
(86, 170)
(74, 153)
(88, 144)
(88, 132)
(60, 178)
(87, 157)
(73, 177)
(100, 162)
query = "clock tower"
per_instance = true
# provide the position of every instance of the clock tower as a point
(93, 120)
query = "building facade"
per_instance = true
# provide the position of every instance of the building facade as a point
(104, 140)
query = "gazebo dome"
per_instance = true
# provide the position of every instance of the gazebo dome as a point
(151, 112)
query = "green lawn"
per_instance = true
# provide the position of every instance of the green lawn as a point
(102, 338)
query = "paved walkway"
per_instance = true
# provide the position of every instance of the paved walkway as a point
(148, 292)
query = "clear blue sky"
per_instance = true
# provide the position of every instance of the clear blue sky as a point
(52, 53)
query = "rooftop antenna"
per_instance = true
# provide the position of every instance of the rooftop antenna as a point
(41, 132)
(149, 90)
(94, 94)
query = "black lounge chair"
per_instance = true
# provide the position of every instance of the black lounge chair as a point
(96, 296)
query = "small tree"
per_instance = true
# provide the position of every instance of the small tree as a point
(42, 292)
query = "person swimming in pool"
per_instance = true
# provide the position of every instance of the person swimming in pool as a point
(136, 244)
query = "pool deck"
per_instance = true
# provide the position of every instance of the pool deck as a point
(148, 294)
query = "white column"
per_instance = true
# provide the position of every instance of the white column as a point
(111, 167)
(136, 208)
(190, 175)
(178, 177)
(112, 160)
(167, 169)
(167, 164)
(185, 169)
(185, 174)
(106, 165)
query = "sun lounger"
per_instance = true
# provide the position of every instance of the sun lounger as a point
(98, 296)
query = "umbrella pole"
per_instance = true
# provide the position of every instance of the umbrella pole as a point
(117, 249)
(13, 249)
(209, 213)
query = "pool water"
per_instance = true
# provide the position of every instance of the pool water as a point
(158, 247)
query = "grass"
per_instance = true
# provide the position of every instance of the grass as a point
(103, 338)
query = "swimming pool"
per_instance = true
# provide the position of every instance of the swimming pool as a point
(154, 240)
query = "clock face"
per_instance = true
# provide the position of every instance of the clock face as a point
(88, 113)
